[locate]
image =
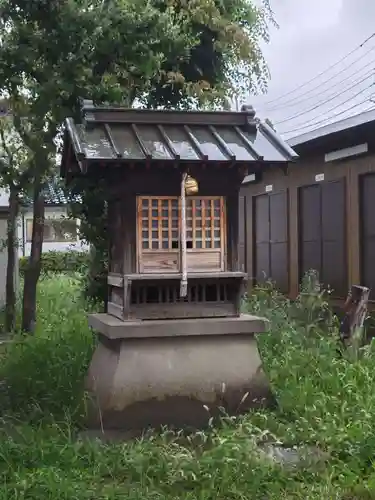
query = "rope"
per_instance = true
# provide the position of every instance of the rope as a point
(183, 284)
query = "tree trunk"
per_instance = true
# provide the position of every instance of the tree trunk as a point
(34, 265)
(10, 291)
(355, 308)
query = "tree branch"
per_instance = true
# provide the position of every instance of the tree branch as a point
(5, 145)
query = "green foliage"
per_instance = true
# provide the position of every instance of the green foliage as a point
(93, 214)
(324, 400)
(95, 279)
(60, 262)
(49, 464)
(190, 49)
(226, 58)
(43, 374)
(14, 158)
(79, 36)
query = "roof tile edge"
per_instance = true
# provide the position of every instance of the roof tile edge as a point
(117, 114)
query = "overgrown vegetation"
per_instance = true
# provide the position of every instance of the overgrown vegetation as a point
(325, 400)
(54, 261)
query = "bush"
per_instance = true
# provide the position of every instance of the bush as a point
(43, 374)
(324, 399)
(60, 262)
(95, 279)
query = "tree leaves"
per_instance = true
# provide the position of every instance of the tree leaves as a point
(159, 52)
(226, 53)
(169, 53)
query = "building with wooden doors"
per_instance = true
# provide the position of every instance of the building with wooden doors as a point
(174, 334)
(318, 213)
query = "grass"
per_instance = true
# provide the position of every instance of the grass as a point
(324, 400)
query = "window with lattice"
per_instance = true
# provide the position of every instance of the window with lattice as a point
(159, 223)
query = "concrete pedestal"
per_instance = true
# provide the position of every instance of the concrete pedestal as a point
(174, 372)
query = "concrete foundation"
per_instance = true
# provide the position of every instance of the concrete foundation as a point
(178, 373)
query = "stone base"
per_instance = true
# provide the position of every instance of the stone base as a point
(144, 375)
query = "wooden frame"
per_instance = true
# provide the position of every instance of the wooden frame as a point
(252, 247)
(341, 294)
(130, 298)
(298, 175)
(310, 169)
(364, 166)
(158, 233)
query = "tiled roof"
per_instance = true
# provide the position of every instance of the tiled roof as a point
(118, 135)
(53, 193)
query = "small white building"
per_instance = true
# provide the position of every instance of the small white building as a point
(60, 232)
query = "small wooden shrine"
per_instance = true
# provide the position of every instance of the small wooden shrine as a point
(173, 341)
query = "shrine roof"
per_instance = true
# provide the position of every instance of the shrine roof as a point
(121, 135)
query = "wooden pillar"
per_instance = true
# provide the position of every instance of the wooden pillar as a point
(353, 225)
(129, 232)
(233, 231)
(293, 241)
(242, 233)
(249, 243)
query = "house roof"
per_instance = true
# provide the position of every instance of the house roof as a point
(114, 134)
(332, 128)
(53, 193)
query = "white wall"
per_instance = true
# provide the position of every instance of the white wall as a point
(4, 197)
(50, 213)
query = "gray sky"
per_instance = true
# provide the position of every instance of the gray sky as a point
(312, 36)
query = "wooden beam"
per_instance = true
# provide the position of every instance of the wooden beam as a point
(142, 145)
(111, 140)
(115, 280)
(249, 145)
(168, 142)
(126, 297)
(195, 143)
(223, 145)
(355, 309)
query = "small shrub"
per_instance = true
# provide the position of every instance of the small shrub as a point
(43, 375)
(94, 281)
(60, 262)
(324, 398)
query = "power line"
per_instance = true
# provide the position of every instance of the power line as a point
(328, 99)
(330, 78)
(298, 129)
(330, 118)
(295, 102)
(340, 104)
(303, 85)
(370, 108)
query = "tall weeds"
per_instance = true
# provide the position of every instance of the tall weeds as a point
(42, 376)
(324, 400)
